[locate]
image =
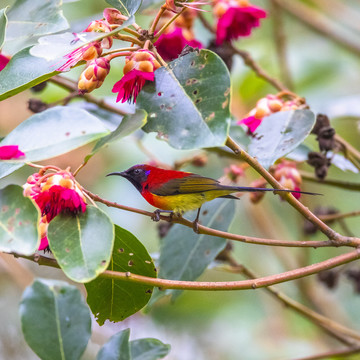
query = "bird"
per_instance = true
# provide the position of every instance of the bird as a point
(176, 192)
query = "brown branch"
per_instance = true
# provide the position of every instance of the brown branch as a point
(337, 354)
(223, 234)
(302, 209)
(316, 21)
(72, 86)
(280, 43)
(216, 286)
(332, 217)
(328, 325)
(331, 182)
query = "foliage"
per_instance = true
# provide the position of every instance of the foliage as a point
(207, 121)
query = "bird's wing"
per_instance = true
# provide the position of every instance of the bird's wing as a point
(186, 185)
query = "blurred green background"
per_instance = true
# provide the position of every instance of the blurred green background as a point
(220, 325)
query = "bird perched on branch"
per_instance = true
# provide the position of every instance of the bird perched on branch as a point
(178, 191)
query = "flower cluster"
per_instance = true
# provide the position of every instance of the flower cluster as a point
(176, 36)
(288, 176)
(236, 18)
(265, 107)
(54, 193)
(9, 152)
(139, 68)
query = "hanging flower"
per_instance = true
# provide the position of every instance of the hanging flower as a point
(8, 152)
(94, 75)
(139, 68)
(53, 194)
(3, 61)
(171, 43)
(236, 18)
(113, 16)
(265, 107)
(90, 51)
(288, 176)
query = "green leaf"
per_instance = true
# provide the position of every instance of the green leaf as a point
(279, 134)
(115, 300)
(82, 243)
(18, 222)
(128, 125)
(53, 132)
(127, 7)
(29, 19)
(23, 72)
(117, 348)
(184, 255)
(188, 103)
(3, 23)
(148, 349)
(55, 320)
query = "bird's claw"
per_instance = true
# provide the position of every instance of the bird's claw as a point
(156, 216)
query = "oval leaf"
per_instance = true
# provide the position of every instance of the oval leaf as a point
(117, 348)
(115, 300)
(55, 321)
(188, 103)
(82, 243)
(23, 72)
(184, 255)
(18, 222)
(29, 19)
(126, 7)
(3, 23)
(279, 134)
(148, 349)
(53, 132)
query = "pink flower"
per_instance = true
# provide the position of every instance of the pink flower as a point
(90, 51)
(8, 152)
(53, 194)
(251, 122)
(3, 61)
(139, 68)
(170, 44)
(236, 20)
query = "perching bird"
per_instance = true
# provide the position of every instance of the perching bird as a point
(178, 191)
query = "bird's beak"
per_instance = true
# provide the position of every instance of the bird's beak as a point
(123, 174)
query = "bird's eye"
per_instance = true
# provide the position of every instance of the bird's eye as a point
(137, 171)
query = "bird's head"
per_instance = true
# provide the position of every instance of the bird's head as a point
(137, 175)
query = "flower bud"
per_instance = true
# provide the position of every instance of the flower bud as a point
(94, 75)
(257, 196)
(288, 176)
(113, 16)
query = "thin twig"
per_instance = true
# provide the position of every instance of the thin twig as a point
(223, 234)
(322, 25)
(336, 354)
(215, 286)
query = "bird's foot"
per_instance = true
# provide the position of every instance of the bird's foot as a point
(156, 215)
(196, 226)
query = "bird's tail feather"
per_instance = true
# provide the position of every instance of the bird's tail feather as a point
(252, 189)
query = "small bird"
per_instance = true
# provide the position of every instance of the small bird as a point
(178, 191)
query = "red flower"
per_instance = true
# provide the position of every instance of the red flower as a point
(57, 199)
(235, 21)
(139, 68)
(3, 61)
(53, 194)
(8, 152)
(170, 44)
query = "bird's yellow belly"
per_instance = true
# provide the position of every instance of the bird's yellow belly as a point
(184, 202)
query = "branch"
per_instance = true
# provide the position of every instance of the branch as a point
(332, 217)
(72, 86)
(315, 20)
(215, 286)
(302, 209)
(330, 326)
(223, 234)
(339, 354)
(332, 182)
